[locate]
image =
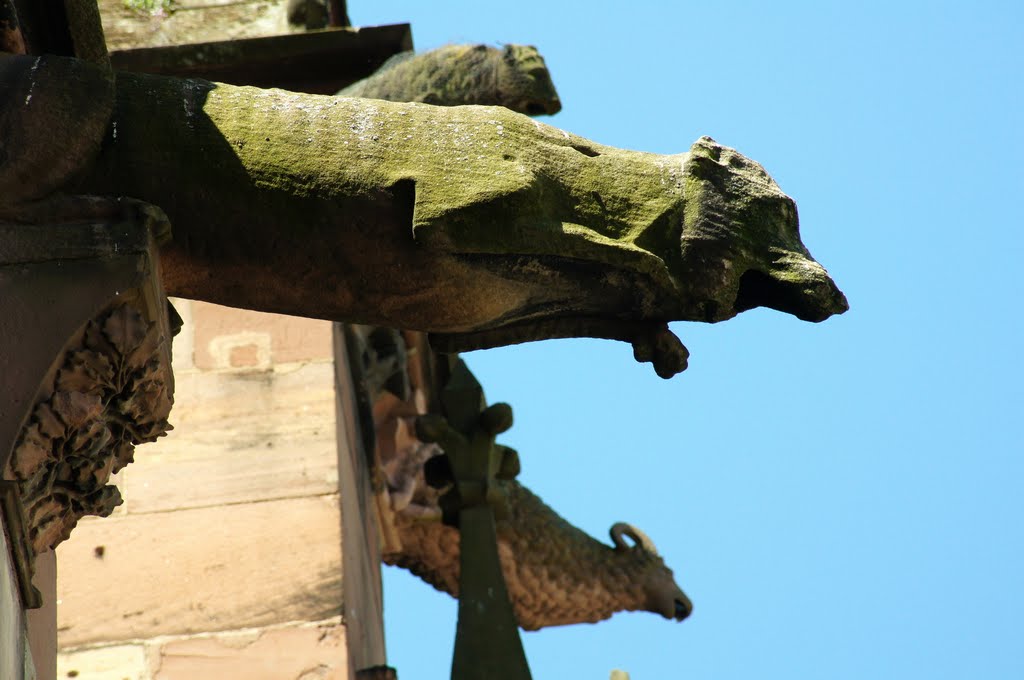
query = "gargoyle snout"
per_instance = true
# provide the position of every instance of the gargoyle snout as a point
(683, 607)
(665, 597)
(662, 594)
(797, 286)
(550, 107)
(541, 107)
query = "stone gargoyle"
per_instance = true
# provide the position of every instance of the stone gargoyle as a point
(476, 224)
(556, 574)
(514, 76)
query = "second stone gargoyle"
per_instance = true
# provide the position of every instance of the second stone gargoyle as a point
(514, 76)
(556, 573)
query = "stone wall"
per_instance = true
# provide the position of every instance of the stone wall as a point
(189, 21)
(15, 657)
(225, 558)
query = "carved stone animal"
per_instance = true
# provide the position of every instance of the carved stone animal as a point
(514, 77)
(556, 574)
(460, 221)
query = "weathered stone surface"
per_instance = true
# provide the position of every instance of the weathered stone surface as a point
(514, 76)
(300, 653)
(475, 223)
(363, 596)
(11, 38)
(42, 621)
(58, 113)
(245, 42)
(85, 29)
(15, 659)
(117, 662)
(200, 570)
(114, 391)
(239, 437)
(84, 350)
(220, 332)
(189, 21)
(556, 574)
(331, 208)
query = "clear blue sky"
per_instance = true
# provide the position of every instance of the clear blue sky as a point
(842, 500)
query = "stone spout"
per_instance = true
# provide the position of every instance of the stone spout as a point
(477, 224)
(556, 573)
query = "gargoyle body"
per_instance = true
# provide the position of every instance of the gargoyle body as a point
(515, 77)
(556, 573)
(477, 224)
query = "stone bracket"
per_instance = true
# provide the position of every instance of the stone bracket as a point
(85, 353)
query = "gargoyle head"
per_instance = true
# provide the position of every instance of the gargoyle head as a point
(524, 83)
(740, 246)
(662, 594)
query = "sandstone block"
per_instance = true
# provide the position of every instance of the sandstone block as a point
(229, 338)
(118, 662)
(206, 569)
(240, 437)
(306, 653)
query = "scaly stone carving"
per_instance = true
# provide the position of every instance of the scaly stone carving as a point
(556, 574)
(515, 77)
(111, 393)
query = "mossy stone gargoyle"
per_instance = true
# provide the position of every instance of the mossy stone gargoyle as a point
(474, 223)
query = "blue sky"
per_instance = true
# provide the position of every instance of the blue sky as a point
(840, 500)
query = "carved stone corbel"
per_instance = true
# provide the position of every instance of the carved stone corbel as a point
(85, 353)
